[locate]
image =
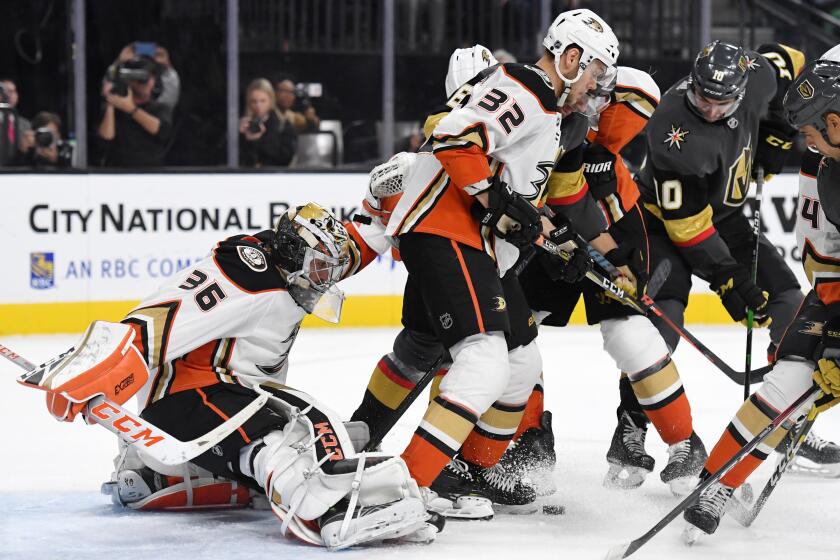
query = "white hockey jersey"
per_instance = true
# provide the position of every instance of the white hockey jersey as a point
(503, 124)
(228, 319)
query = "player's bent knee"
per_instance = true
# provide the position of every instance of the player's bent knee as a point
(633, 342)
(416, 352)
(525, 369)
(789, 378)
(480, 371)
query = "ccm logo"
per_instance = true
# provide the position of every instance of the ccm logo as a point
(124, 423)
(327, 438)
(123, 384)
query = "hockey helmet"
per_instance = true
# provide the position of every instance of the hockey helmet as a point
(719, 74)
(311, 246)
(466, 63)
(815, 92)
(586, 30)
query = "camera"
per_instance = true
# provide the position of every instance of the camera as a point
(254, 126)
(138, 69)
(44, 137)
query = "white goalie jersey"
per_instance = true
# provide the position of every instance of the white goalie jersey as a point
(229, 318)
(504, 124)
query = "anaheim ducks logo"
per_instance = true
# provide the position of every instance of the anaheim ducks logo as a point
(738, 182)
(813, 328)
(806, 90)
(499, 303)
(594, 24)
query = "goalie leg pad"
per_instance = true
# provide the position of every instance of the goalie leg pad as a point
(104, 363)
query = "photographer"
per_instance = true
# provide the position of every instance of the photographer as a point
(14, 142)
(293, 103)
(267, 137)
(48, 150)
(135, 126)
(170, 82)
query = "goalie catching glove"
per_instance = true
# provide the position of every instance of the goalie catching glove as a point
(737, 293)
(509, 215)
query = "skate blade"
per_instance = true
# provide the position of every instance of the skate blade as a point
(805, 467)
(467, 508)
(691, 535)
(624, 478)
(683, 486)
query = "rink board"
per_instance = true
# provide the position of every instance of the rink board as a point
(84, 247)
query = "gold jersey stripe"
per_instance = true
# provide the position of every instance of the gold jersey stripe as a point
(682, 230)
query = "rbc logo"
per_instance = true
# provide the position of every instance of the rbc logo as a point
(41, 271)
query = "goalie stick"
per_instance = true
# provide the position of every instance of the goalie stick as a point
(625, 550)
(646, 304)
(133, 429)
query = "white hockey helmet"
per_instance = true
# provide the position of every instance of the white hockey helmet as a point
(595, 38)
(466, 63)
(832, 54)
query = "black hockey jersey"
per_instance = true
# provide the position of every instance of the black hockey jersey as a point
(697, 173)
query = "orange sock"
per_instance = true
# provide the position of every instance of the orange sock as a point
(660, 393)
(533, 411)
(492, 433)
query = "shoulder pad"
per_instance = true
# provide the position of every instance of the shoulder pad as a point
(535, 81)
(244, 261)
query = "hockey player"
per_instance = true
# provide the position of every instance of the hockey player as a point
(810, 348)
(468, 208)
(217, 336)
(595, 172)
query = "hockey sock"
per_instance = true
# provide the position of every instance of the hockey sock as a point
(533, 410)
(387, 388)
(435, 388)
(437, 439)
(660, 393)
(750, 419)
(492, 433)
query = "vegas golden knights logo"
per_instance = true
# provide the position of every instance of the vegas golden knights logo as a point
(806, 90)
(738, 183)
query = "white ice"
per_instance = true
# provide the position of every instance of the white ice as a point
(50, 472)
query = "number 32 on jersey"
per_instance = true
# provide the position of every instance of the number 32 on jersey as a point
(494, 101)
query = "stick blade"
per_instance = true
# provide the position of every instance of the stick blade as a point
(618, 552)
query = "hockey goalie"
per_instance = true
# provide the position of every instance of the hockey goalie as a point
(206, 357)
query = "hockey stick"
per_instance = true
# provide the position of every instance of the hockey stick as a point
(759, 186)
(383, 429)
(646, 304)
(625, 550)
(133, 429)
(795, 439)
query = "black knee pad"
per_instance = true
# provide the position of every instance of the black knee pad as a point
(419, 350)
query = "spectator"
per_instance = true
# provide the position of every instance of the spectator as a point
(169, 89)
(135, 126)
(14, 127)
(268, 138)
(48, 149)
(299, 112)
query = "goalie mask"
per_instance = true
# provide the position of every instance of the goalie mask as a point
(311, 247)
(814, 93)
(718, 81)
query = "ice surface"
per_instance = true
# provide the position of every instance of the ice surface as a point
(50, 472)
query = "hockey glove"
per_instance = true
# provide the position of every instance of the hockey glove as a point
(599, 171)
(628, 257)
(510, 216)
(772, 150)
(737, 292)
(827, 375)
(572, 271)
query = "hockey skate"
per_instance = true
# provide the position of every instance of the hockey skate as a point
(629, 463)
(704, 516)
(472, 489)
(532, 459)
(401, 520)
(685, 461)
(816, 457)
